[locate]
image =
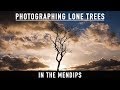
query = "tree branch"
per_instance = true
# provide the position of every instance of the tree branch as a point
(59, 45)
(57, 57)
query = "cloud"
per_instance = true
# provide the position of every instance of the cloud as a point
(29, 38)
(99, 33)
(29, 35)
(20, 63)
(101, 65)
(18, 36)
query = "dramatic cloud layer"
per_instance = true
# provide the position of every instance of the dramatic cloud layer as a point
(99, 33)
(28, 39)
(27, 35)
(32, 39)
(19, 63)
(95, 42)
(100, 65)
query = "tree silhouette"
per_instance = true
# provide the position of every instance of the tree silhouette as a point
(60, 45)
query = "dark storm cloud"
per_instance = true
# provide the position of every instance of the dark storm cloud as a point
(102, 65)
(17, 63)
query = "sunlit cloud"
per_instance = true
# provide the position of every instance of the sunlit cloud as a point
(30, 39)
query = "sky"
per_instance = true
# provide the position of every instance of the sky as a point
(111, 18)
(92, 46)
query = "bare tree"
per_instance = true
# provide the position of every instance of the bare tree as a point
(60, 45)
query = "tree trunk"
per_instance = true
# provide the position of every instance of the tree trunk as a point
(58, 66)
